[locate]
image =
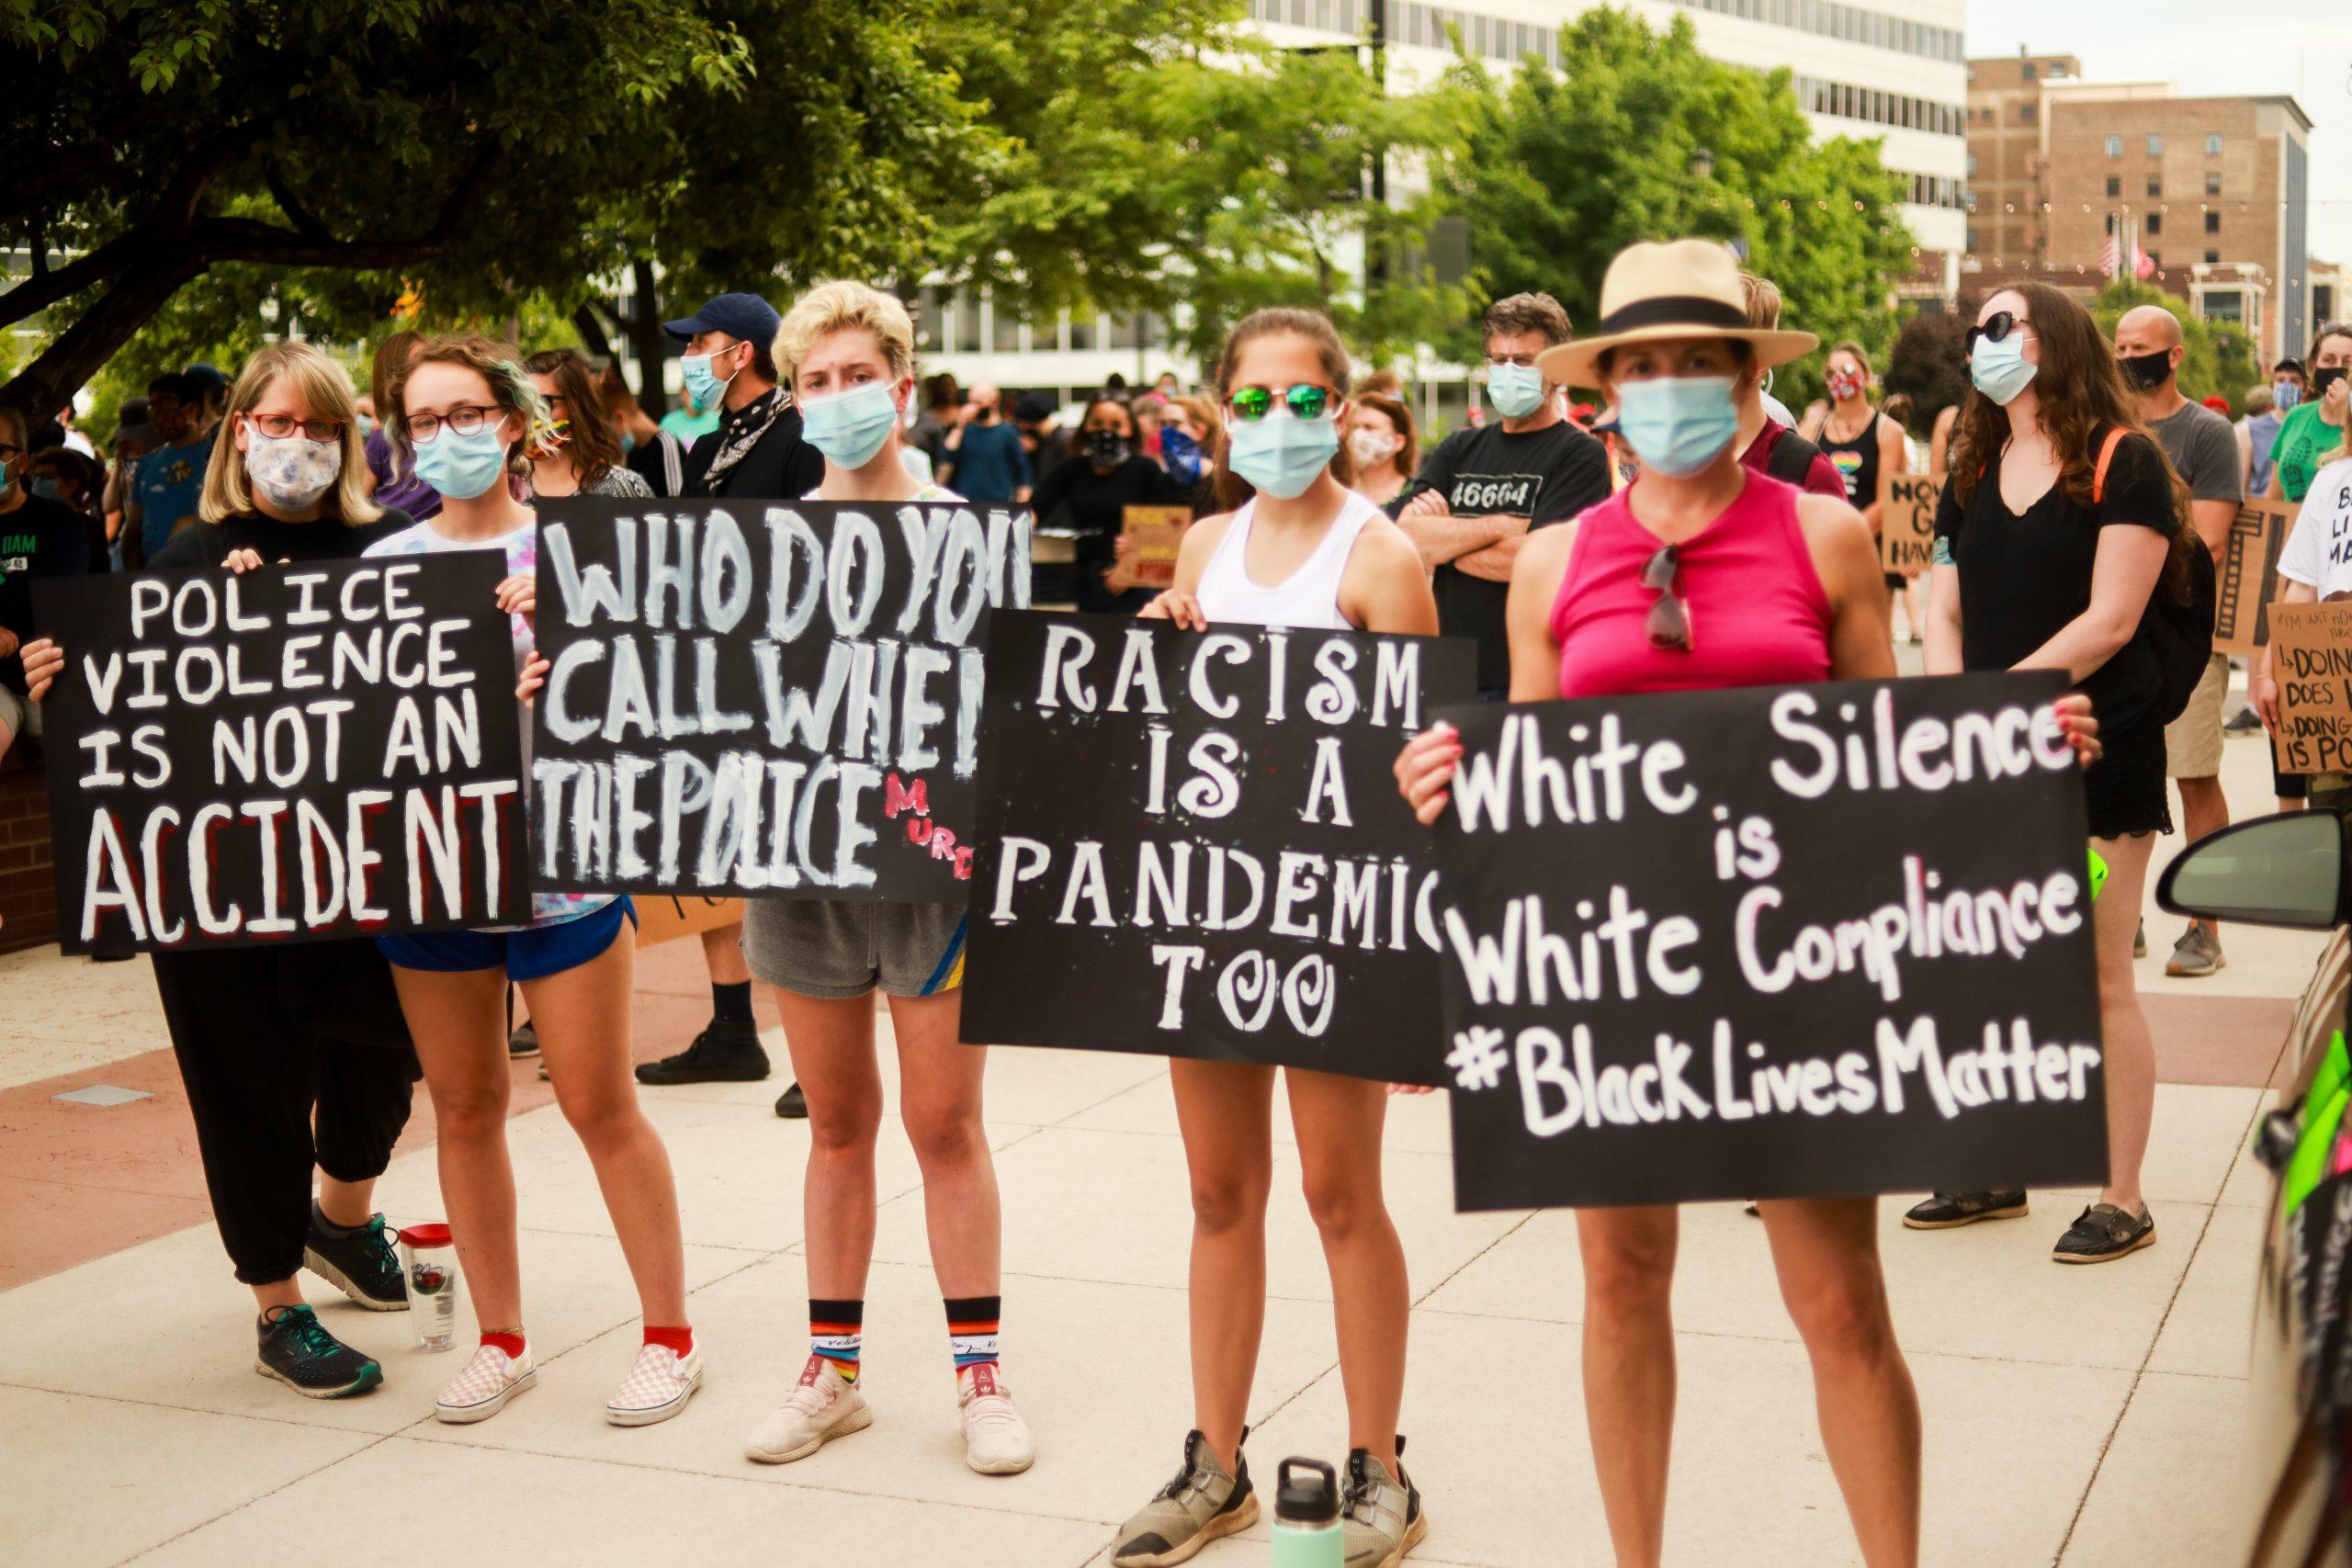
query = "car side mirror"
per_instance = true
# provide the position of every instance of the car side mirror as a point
(2286, 869)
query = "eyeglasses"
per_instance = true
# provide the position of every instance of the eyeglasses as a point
(1999, 327)
(1305, 401)
(1669, 620)
(8, 451)
(278, 426)
(465, 420)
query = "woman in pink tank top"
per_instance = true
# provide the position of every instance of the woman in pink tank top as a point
(1705, 574)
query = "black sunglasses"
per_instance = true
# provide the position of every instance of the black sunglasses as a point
(1669, 620)
(1998, 326)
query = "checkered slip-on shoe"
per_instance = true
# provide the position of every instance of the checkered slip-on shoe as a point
(482, 1391)
(659, 1385)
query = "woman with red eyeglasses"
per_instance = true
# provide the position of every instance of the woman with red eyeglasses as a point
(1703, 574)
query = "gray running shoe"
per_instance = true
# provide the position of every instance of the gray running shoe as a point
(2196, 955)
(1201, 1504)
(1382, 1514)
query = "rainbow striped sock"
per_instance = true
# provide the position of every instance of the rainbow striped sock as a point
(972, 1324)
(837, 1332)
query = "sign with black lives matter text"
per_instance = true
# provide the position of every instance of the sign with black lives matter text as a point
(779, 699)
(1783, 942)
(292, 754)
(1191, 844)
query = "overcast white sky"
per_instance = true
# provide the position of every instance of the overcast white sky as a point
(2209, 46)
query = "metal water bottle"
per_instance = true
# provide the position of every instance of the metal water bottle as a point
(1307, 1532)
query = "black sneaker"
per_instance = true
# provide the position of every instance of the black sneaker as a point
(523, 1044)
(792, 1105)
(359, 1262)
(2245, 722)
(2103, 1232)
(1946, 1211)
(722, 1052)
(297, 1349)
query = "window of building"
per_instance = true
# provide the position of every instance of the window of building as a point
(1972, 165)
(1127, 332)
(2154, 259)
(2027, 114)
(1004, 327)
(2155, 222)
(2212, 182)
(2027, 70)
(2115, 184)
(2211, 257)
(2115, 146)
(2212, 144)
(2224, 305)
(2155, 185)
(2212, 223)
(1972, 241)
(966, 334)
(2156, 145)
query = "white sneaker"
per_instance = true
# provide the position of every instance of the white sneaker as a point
(482, 1391)
(996, 1439)
(822, 1408)
(658, 1386)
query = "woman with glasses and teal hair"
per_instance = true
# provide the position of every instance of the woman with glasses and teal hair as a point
(1294, 547)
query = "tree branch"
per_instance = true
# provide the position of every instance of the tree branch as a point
(308, 226)
(468, 192)
(47, 286)
(215, 240)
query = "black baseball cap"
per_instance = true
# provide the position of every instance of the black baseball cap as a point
(210, 377)
(743, 316)
(1033, 406)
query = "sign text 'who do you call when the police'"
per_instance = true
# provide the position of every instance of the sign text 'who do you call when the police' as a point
(1794, 941)
(297, 753)
(772, 698)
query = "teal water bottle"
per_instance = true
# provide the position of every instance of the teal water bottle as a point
(1307, 1516)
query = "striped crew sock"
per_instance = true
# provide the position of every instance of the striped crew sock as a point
(972, 1323)
(836, 1330)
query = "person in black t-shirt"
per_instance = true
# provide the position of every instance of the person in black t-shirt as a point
(40, 536)
(1090, 495)
(2060, 525)
(1479, 493)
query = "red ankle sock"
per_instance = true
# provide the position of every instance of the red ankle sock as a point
(681, 1340)
(510, 1342)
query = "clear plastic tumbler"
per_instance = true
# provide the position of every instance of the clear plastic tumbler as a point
(430, 1260)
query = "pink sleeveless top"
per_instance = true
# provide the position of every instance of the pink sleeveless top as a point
(1758, 615)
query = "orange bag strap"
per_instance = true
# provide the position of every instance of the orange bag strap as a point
(2105, 456)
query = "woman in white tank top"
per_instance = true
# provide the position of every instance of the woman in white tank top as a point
(1305, 552)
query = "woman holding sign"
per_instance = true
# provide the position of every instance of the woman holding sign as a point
(461, 412)
(1294, 548)
(1092, 494)
(1703, 574)
(294, 1058)
(2060, 525)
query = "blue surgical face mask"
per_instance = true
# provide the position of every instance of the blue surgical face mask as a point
(1516, 390)
(849, 427)
(2285, 396)
(1999, 370)
(1677, 425)
(1281, 454)
(1182, 455)
(463, 467)
(44, 486)
(705, 387)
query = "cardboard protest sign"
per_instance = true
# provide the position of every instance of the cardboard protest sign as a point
(1907, 522)
(2249, 577)
(290, 755)
(1191, 845)
(2311, 658)
(1154, 535)
(1780, 943)
(779, 698)
(665, 917)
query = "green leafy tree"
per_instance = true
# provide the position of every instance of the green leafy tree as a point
(1640, 136)
(1928, 365)
(2216, 356)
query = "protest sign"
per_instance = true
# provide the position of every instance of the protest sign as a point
(1779, 943)
(777, 698)
(2249, 578)
(289, 755)
(1907, 522)
(2311, 658)
(1154, 535)
(1192, 844)
(665, 917)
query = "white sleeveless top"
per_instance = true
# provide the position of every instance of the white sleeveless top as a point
(1307, 599)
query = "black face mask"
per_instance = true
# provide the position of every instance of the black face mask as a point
(2147, 371)
(1107, 448)
(2321, 380)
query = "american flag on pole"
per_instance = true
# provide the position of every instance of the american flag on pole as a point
(2110, 257)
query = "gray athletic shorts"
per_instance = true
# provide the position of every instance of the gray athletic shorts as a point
(19, 713)
(845, 947)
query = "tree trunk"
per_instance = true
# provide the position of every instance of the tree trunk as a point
(648, 341)
(591, 328)
(79, 352)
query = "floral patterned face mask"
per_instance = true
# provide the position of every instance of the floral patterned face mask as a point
(291, 471)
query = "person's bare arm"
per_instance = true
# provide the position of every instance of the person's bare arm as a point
(1494, 562)
(1384, 588)
(1895, 459)
(1440, 537)
(2212, 521)
(2123, 575)
(1846, 559)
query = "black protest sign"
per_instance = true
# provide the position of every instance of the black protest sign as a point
(770, 698)
(297, 753)
(1191, 844)
(1783, 942)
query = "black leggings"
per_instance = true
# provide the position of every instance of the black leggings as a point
(255, 1074)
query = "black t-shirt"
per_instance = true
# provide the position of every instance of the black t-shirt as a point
(1093, 504)
(1546, 476)
(204, 544)
(780, 467)
(39, 538)
(2023, 578)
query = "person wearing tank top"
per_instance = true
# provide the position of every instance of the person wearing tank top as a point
(1865, 446)
(1704, 574)
(1295, 549)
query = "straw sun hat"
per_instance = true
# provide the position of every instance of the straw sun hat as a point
(1680, 288)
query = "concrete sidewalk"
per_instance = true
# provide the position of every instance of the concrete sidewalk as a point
(2076, 1415)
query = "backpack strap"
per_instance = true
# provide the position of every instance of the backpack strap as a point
(2105, 456)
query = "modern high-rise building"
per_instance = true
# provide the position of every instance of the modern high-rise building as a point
(1893, 70)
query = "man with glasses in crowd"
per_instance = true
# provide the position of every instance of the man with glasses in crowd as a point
(163, 493)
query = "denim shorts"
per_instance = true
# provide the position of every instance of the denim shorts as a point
(533, 954)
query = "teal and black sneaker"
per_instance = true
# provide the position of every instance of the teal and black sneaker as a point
(297, 1349)
(359, 1262)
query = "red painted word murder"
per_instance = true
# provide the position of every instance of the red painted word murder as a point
(914, 802)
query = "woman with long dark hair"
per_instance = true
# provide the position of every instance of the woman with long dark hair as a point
(2060, 522)
(574, 447)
